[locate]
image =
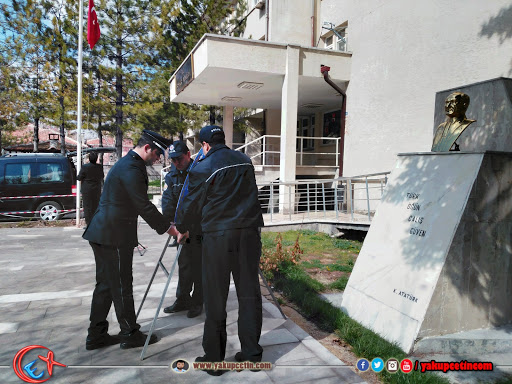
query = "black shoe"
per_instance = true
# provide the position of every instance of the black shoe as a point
(137, 339)
(194, 311)
(177, 307)
(202, 359)
(239, 358)
(103, 341)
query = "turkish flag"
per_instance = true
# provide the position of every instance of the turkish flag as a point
(93, 28)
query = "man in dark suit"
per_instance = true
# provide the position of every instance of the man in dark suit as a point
(112, 235)
(91, 175)
(223, 193)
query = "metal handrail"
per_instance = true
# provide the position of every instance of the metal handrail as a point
(335, 199)
(264, 142)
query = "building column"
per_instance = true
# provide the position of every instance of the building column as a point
(289, 101)
(227, 124)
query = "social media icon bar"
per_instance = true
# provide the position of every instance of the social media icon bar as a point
(406, 365)
(363, 365)
(377, 364)
(392, 365)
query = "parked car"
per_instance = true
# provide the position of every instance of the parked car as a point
(36, 182)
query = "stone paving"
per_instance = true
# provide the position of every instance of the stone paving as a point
(46, 282)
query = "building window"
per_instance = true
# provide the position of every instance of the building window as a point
(328, 42)
(336, 41)
(305, 130)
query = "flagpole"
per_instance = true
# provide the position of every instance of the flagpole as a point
(79, 111)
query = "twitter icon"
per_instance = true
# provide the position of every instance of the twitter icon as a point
(377, 364)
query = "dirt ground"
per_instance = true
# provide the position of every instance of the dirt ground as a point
(331, 341)
(324, 276)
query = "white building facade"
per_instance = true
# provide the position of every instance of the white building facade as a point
(389, 56)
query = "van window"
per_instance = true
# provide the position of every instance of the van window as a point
(18, 173)
(50, 172)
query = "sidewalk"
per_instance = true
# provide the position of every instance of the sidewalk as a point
(46, 282)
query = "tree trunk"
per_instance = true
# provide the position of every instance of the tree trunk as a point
(63, 132)
(36, 134)
(119, 100)
(212, 115)
(100, 134)
(62, 111)
(100, 137)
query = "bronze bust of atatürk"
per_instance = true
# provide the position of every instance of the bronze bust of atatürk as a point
(447, 133)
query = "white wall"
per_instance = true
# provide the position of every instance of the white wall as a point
(256, 24)
(403, 53)
(290, 21)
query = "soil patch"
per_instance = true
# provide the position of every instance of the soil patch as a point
(323, 276)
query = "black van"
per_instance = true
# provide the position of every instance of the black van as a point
(36, 185)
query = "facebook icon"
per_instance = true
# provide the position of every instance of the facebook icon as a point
(363, 365)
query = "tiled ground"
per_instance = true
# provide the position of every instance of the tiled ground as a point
(46, 282)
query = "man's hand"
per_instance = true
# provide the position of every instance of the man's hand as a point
(172, 231)
(182, 237)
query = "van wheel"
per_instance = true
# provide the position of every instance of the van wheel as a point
(49, 211)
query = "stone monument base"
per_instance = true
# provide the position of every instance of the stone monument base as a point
(438, 256)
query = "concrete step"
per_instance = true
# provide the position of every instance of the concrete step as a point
(475, 342)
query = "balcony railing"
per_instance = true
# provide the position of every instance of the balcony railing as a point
(348, 199)
(266, 151)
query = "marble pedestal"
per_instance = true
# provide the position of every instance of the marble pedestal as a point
(437, 257)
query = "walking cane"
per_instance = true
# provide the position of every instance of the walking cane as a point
(158, 264)
(169, 276)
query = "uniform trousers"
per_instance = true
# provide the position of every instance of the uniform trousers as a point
(189, 273)
(114, 284)
(235, 251)
(91, 200)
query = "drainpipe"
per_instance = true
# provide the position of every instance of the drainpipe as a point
(325, 72)
(312, 23)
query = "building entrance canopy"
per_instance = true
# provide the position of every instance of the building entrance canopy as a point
(228, 71)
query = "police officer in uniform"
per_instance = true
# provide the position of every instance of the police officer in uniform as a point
(91, 175)
(112, 234)
(223, 192)
(189, 261)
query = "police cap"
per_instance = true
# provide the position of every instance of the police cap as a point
(161, 142)
(207, 132)
(177, 149)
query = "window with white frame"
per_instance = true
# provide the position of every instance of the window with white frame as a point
(336, 41)
(305, 130)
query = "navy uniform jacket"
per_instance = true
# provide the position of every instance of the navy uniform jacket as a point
(91, 175)
(124, 198)
(222, 193)
(174, 180)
